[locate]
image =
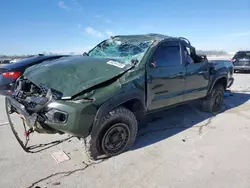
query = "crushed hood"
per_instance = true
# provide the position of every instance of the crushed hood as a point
(72, 75)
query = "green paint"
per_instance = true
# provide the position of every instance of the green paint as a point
(108, 78)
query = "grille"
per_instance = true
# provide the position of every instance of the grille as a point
(28, 105)
(43, 89)
(55, 94)
(42, 93)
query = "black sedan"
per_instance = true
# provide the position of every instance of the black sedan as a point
(241, 61)
(9, 73)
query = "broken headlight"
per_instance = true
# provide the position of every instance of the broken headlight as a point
(57, 116)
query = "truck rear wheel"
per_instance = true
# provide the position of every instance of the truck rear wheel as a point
(115, 134)
(214, 101)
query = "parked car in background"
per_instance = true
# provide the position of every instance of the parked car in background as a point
(241, 61)
(9, 73)
(103, 95)
(4, 62)
(15, 60)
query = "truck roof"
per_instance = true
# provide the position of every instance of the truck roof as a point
(245, 51)
(150, 36)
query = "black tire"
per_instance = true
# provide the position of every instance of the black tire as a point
(214, 101)
(119, 125)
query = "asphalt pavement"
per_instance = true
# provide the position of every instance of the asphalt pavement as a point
(180, 147)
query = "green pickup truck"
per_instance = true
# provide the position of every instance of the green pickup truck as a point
(103, 95)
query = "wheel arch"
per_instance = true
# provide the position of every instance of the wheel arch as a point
(129, 100)
(219, 80)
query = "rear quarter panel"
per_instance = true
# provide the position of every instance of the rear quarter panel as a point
(220, 69)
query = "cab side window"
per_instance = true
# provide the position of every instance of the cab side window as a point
(188, 55)
(167, 55)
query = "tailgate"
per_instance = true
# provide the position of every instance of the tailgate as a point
(242, 62)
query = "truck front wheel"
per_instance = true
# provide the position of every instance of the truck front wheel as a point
(214, 101)
(115, 134)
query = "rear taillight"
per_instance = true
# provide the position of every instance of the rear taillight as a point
(13, 75)
(233, 60)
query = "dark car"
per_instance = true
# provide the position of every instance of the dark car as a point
(4, 62)
(102, 96)
(10, 72)
(241, 61)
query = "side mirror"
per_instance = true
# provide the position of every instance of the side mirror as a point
(152, 64)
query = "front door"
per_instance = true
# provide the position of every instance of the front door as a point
(166, 81)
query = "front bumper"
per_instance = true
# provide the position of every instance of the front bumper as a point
(80, 117)
(79, 121)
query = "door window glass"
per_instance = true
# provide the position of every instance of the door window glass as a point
(168, 56)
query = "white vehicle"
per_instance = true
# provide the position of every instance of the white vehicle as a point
(15, 60)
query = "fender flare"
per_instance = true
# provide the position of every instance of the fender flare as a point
(115, 102)
(215, 80)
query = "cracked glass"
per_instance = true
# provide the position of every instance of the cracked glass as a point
(123, 50)
(72, 75)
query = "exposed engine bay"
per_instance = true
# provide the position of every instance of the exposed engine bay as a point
(31, 102)
(33, 97)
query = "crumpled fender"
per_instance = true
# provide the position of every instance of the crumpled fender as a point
(115, 102)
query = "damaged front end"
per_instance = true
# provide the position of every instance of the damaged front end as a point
(64, 95)
(31, 103)
(60, 97)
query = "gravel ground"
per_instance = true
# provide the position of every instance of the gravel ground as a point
(180, 147)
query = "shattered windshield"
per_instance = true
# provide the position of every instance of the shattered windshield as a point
(123, 50)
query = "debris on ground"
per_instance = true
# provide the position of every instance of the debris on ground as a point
(56, 183)
(60, 156)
